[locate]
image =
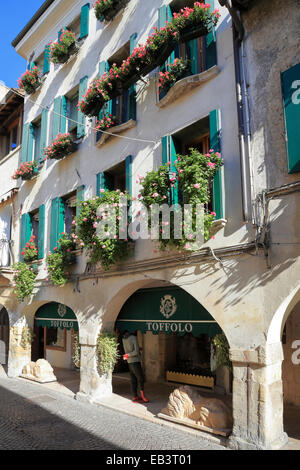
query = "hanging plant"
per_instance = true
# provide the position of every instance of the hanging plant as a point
(76, 350)
(107, 353)
(145, 58)
(61, 50)
(174, 72)
(58, 263)
(26, 171)
(190, 179)
(107, 9)
(106, 122)
(62, 146)
(30, 80)
(30, 252)
(109, 249)
(23, 280)
(27, 337)
(222, 351)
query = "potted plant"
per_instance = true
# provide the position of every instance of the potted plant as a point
(23, 280)
(109, 249)
(191, 178)
(26, 171)
(60, 260)
(106, 122)
(30, 80)
(174, 72)
(30, 251)
(194, 22)
(62, 146)
(61, 50)
(107, 9)
(107, 353)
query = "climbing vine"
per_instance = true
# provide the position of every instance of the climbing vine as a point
(23, 280)
(222, 351)
(107, 352)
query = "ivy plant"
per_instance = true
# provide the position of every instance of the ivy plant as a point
(23, 280)
(107, 352)
(58, 263)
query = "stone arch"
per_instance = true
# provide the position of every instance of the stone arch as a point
(279, 319)
(119, 297)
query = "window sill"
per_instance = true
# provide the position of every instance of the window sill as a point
(217, 225)
(116, 130)
(186, 84)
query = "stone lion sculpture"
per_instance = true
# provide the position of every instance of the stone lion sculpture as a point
(41, 371)
(186, 402)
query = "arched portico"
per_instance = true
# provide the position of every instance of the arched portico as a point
(285, 330)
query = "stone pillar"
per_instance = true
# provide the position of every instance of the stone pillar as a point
(19, 353)
(93, 387)
(257, 399)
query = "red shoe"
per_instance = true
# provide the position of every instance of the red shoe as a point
(145, 400)
(136, 399)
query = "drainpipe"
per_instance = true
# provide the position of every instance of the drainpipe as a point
(243, 113)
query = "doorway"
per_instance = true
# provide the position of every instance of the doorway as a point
(4, 336)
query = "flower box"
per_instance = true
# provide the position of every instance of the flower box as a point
(104, 13)
(62, 50)
(62, 146)
(26, 171)
(193, 32)
(30, 81)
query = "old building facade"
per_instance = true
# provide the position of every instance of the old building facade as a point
(244, 281)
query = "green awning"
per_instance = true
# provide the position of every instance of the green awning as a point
(54, 315)
(168, 310)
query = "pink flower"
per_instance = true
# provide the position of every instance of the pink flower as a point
(197, 186)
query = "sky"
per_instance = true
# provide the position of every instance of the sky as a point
(14, 15)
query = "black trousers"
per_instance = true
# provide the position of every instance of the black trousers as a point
(137, 377)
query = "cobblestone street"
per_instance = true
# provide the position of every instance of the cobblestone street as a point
(32, 417)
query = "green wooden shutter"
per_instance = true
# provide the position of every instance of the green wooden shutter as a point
(31, 140)
(26, 230)
(25, 143)
(128, 169)
(211, 44)
(64, 110)
(100, 183)
(46, 66)
(60, 33)
(169, 155)
(41, 243)
(44, 129)
(131, 108)
(215, 144)
(56, 117)
(290, 80)
(81, 117)
(85, 14)
(79, 198)
(57, 221)
(193, 46)
(104, 67)
(165, 15)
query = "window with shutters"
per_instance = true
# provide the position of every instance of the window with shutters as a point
(115, 177)
(37, 125)
(35, 218)
(75, 27)
(39, 62)
(196, 136)
(70, 203)
(196, 55)
(120, 105)
(72, 112)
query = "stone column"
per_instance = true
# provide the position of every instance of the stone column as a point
(93, 387)
(19, 354)
(257, 398)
